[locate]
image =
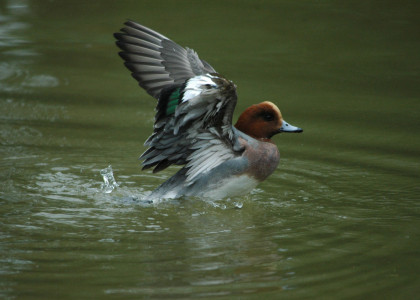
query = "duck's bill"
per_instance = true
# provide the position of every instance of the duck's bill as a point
(286, 127)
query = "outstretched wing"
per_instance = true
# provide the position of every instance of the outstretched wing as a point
(155, 61)
(193, 126)
(193, 123)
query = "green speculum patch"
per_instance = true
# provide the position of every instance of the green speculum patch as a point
(173, 101)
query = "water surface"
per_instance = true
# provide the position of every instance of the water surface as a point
(338, 219)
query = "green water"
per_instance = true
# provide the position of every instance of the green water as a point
(338, 219)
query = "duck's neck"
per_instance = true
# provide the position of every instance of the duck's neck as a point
(252, 133)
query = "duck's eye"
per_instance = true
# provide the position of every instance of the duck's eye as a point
(268, 117)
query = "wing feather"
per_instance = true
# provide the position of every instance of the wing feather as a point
(193, 123)
(143, 46)
(199, 132)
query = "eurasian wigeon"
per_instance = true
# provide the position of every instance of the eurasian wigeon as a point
(193, 122)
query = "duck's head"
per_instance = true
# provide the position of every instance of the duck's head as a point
(262, 121)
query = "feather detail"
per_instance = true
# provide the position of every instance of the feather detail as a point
(145, 50)
(193, 122)
(189, 126)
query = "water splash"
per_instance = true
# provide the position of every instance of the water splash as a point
(109, 181)
(238, 205)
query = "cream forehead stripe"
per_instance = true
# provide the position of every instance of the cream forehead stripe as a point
(273, 106)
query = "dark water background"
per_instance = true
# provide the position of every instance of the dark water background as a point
(338, 219)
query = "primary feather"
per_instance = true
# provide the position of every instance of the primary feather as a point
(195, 104)
(155, 61)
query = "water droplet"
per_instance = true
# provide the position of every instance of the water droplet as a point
(109, 181)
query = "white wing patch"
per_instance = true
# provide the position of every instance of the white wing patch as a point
(195, 85)
(199, 132)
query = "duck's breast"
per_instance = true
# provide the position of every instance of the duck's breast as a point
(263, 158)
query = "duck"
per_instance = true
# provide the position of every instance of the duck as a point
(193, 122)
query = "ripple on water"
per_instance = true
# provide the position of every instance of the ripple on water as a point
(42, 81)
(11, 76)
(15, 78)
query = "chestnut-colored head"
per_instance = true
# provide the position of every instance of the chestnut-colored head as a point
(262, 121)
